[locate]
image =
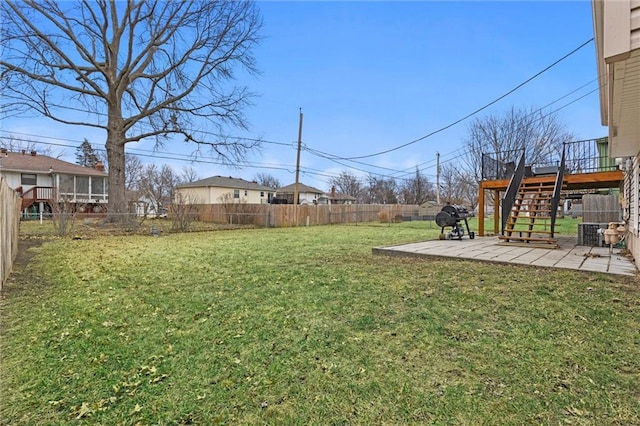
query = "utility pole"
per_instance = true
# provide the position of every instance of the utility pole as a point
(295, 189)
(437, 178)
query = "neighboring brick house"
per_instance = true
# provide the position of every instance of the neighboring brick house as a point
(222, 190)
(43, 181)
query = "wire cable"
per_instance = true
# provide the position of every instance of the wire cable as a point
(482, 108)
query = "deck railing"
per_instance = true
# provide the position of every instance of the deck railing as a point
(38, 193)
(499, 165)
(47, 193)
(586, 156)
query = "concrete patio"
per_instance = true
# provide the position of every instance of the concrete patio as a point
(568, 255)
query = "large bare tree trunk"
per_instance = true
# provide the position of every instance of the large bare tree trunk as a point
(116, 137)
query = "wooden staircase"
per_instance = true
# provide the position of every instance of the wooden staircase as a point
(530, 220)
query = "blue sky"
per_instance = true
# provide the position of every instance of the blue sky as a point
(370, 76)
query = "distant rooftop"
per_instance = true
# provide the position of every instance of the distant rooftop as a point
(31, 161)
(289, 189)
(226, 182)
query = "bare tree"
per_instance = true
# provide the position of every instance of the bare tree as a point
(133, 168)
(381, 190)
(188, 175)
(13, 144)
(137, 69)
(158, 185)
(265, 179)
(458, 187)
(505, 136)
(416, 190)
(184, 211)
(348, 183)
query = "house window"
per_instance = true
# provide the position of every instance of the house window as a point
(97, 188)
(261, 194)
(82, 185)
(28, 179)
(245, 192)
(236, 193)
(65, 184)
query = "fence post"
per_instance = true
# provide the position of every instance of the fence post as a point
(10, 206)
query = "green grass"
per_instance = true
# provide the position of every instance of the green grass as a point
(305, 326)
(564, 226)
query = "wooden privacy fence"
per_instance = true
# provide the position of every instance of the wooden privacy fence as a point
(10, 204)
(598, 208)
(286, 215)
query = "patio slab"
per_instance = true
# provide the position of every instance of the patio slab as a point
(568, 255)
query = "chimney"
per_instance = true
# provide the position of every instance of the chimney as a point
(99, 166)
(23, 152)
(333, 192)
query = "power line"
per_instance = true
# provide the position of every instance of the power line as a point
(461, 150)
(457, 153)
(143, 123)
(472, 113)
(184, 157)
(533, 112)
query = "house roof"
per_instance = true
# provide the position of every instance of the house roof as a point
(289, 189)
(226, 182)
(31, 162)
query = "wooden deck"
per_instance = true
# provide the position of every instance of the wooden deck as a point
(572, 182)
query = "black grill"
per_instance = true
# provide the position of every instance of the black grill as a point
(452, 216)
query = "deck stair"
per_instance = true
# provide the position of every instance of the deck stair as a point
(530, 207)
(530, 220)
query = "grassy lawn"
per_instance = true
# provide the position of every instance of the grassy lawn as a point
(305, 326)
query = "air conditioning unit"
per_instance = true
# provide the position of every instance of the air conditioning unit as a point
(588, 234)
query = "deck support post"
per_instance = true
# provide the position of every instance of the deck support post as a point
(496, 211)
(481, 210)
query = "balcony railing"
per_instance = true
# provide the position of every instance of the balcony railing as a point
(46, 193)
(588, 156)
(38, 193)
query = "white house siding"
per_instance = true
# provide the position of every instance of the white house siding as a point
(308, 198)
(633, 221)
(635, 24)
(14, 180)
(617, 39)
(214, 195)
